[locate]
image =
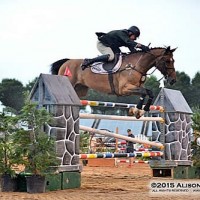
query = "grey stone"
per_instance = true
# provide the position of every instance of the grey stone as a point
(175, 150)
(185, 142)
(67, 159)
(60, 148)
(70, 147)
(171, 137)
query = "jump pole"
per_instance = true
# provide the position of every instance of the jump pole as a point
(111, 134)
(118, 105)
(121, 155)
(115, 117)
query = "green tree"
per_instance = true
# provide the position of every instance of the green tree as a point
(11, 94)
(196, 128)
(30, 85)
(153, 84)
(183, 83)
(84, 142)
(196, 79)
(7, 151)
(37, 147)
(195, 92)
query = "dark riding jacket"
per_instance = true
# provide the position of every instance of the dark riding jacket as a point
(130, 147)
(117, 38)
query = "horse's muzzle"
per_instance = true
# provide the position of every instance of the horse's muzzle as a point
(171, 81)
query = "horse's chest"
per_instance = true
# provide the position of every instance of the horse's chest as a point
(137, 79)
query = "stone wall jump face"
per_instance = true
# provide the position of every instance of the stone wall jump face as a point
(177, 136)
(65, 128)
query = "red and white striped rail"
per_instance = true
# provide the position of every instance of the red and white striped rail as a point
(134, 161)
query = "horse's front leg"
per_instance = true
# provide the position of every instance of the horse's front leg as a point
(141, 101)
(130, 89)
(149, 101)
(139, 111)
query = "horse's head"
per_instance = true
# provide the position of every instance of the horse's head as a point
(165, 64)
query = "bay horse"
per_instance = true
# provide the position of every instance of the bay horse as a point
(128, 80)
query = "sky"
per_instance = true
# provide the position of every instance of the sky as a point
(36, 33)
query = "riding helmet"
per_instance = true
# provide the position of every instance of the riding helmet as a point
(135, 30)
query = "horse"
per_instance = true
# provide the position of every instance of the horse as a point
(128, 80)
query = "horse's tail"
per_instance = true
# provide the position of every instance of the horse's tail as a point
(56, 66)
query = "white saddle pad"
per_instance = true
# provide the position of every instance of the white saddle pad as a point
(98, 67)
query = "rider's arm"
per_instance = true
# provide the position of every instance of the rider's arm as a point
(131, 44)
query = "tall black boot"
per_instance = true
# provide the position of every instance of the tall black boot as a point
(87, 62)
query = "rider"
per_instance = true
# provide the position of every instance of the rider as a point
(108, 44)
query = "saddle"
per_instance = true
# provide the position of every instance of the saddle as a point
(108, 67)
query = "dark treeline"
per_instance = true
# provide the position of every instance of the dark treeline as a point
(13, 93)
(188, 87)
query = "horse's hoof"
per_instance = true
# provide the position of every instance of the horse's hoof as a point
(137, 116)
(132, 111)
(142, 112)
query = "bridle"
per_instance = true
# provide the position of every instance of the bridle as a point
(164, 68)
(159, 60)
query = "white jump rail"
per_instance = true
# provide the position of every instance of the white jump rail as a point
(115, 117)
(115, 135)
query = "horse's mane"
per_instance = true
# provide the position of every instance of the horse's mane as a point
(140, 51)
(159, 47)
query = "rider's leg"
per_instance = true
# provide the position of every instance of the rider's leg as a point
(87, 62)
(107, 52)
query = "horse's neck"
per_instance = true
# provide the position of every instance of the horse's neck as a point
(142, 62)
(157, 51)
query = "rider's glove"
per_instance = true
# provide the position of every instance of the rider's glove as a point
(144, 48)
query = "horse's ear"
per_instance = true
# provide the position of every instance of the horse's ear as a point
(168, 49)
(172, 50)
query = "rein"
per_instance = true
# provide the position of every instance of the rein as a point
(159, 64)
(165, 68)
